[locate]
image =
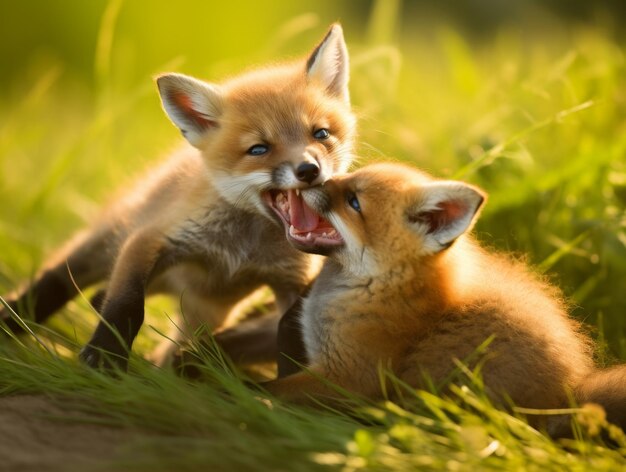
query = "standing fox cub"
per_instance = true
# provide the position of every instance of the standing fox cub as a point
(203, 227)
(405, 288)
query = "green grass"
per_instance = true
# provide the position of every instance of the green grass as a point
(220, 424)
(537, 121)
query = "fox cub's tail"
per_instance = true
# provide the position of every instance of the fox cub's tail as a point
(83, 263)
(604, 387)
(607, 388)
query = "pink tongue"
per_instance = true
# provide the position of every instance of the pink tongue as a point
(302, 217)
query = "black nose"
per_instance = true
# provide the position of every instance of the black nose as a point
(307, 172)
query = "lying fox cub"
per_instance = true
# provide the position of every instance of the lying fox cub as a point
(406, 289)
(203, 227)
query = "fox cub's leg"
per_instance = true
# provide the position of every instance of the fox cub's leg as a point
(250, 341)
(123, 306)
(268, 338)
(47, 294)
(290, 341)
(97, 300)
(288, 338)
(86, 261)
(200, 314)
(306, 387)
(338, 369)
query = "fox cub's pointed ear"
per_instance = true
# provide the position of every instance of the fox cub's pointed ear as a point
(445, 211)
(194, 106)
(329, 64)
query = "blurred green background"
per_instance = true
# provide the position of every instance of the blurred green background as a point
(524, 98)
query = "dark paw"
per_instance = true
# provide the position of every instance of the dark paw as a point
(102, 359)
(187, 364)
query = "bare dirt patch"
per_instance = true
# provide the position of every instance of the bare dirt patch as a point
(41, 434)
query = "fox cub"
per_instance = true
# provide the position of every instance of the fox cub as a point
(204, 226)
(405, 288)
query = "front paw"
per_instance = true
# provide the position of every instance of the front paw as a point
(186, 363)
(102, 359)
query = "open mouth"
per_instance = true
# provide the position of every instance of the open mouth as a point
(304, 227)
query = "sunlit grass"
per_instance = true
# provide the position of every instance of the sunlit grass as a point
(539, 124)
(220, 423)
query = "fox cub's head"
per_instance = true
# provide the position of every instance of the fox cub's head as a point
(385, 214)
(269, 132)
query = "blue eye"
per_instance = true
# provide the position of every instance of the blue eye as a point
(258, 150)
(354, 203)
(321, 133)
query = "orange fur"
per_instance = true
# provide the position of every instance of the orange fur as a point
(201, 226)
(395, 295)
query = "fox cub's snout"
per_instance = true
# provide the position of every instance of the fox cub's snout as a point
(370, 211)
(274, 129)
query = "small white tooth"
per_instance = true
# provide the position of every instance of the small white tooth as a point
(292, 230)
(309, 236)
(298, 192)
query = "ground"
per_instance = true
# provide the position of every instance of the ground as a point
(40, 434)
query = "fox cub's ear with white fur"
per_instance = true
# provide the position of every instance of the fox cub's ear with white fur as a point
(329, 64)
(443, 212)
(192, 105)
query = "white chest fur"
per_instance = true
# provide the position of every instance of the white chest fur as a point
(318, 314)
